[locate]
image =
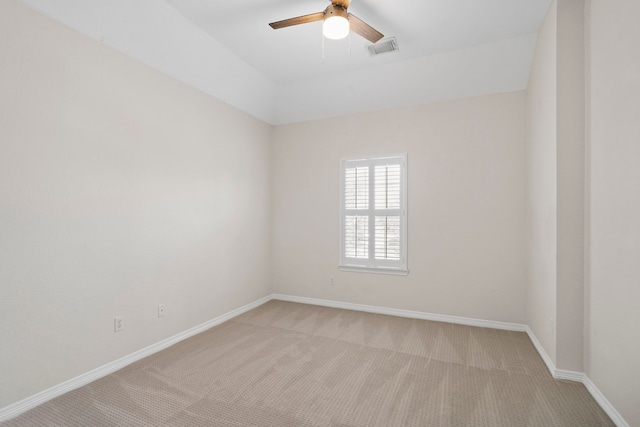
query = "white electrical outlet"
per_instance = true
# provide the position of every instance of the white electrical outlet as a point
(162, 310)
(118, 324)
(332, 280)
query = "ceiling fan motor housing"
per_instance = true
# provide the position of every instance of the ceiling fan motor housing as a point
(333, 10)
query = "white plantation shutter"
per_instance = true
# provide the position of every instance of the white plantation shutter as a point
(387, 183)
(373, 214)
(356, 191)
(357, 237)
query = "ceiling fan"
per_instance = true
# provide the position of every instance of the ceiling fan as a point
(337, 22)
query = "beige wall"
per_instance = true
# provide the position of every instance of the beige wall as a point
(542, 191)
(120, 189)
(555, 132)
(571, 179)
(614, 135)
(466, 178)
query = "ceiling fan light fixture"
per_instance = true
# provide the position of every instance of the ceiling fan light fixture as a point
(336, 23)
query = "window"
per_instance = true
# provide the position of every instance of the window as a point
(373, 215)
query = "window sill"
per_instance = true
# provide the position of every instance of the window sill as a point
(374, 270)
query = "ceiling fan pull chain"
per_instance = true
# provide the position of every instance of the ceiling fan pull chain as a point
(323, 50)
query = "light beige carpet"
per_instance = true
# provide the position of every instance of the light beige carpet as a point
(288, 364)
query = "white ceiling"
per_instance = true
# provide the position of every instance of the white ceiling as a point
(422, 27)
(448, 49)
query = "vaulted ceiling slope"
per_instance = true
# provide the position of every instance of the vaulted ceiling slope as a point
(449, 49)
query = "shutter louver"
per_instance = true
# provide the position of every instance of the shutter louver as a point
(387, 186)
(356, 188)
(356, 235)
(356, 197)
(387, 237)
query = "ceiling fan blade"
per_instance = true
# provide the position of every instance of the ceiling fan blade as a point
(298, 20)
(341, 3)
(358, 26)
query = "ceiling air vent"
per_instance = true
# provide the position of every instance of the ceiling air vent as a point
(383, 46)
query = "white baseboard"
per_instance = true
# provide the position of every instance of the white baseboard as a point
(17, 408)
(562, 374)
(580, 377)
(405, 313)
(541, 351)
(604, 403)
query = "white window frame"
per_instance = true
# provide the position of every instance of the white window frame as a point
(370, 264)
